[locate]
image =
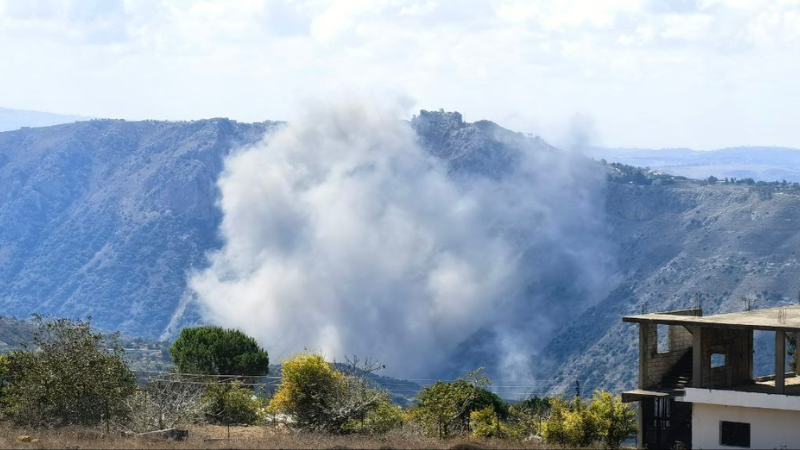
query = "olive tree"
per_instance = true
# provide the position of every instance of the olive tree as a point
(165, 401)
(71, 376)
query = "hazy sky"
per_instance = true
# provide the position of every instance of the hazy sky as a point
(700, 73)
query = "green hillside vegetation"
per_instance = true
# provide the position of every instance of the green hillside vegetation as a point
(69, 374)
(142, 355)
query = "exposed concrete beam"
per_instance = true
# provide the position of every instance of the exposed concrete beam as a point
(780, 361)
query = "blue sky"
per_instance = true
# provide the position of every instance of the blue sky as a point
(701, 74)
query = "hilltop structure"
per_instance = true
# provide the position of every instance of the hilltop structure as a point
(697, 387)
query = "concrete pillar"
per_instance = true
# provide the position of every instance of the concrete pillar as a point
(640, 425)
(750, 354)
(780, 362)
(697, 357)
(644, 329)
(644, 359)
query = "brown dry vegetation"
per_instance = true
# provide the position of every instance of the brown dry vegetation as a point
(214, 437)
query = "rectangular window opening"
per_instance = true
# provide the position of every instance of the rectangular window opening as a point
(717, 360)
(734, 434)
(662, 337)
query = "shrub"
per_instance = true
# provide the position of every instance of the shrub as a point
(485, 423)
(606, 419)
(555, 429)
(319, 397)
(580, 426)
(615, 421)
(526, 418)
(69, 378)
(213, 350)
(380, 419)
(231, 404)
(308, 384)
(165, 401)
(444, 407)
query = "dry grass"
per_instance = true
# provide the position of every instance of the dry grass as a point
(213, 437)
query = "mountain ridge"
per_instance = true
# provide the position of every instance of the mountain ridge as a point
(107, 217)
(761, 163)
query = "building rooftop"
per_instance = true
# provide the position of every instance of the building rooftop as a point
(786, 318)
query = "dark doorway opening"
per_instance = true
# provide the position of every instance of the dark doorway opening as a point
(667, 423)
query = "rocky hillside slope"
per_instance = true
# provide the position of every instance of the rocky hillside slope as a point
(107, 218)
(677, 242)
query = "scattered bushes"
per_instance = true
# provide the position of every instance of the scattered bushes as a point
(605, 420)
(75, 376)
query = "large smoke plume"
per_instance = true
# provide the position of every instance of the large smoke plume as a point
(342, 234)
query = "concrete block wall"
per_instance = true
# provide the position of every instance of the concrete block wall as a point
(737, 346)
(659, 365)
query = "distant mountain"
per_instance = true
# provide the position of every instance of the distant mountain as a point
(107, 217)
(758, 163)
(14, 119)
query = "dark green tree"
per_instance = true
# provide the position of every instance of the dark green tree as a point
(212, 350)
(535, 405)
(71, 376)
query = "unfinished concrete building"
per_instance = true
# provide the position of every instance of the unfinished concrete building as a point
(697, 387)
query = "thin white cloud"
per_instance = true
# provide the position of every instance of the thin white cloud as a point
(651, 73)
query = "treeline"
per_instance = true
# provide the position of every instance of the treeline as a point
(73, 375)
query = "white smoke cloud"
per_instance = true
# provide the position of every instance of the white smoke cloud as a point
(342, 234)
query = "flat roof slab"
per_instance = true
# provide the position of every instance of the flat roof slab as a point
(638, 394)
(785, 318)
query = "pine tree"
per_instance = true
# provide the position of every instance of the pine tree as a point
(212, 350)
